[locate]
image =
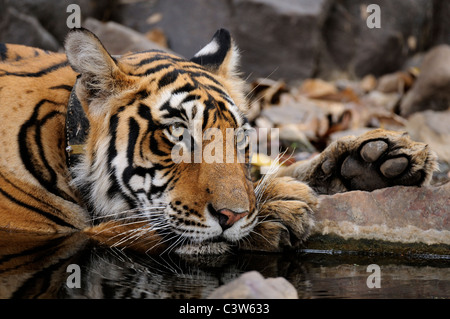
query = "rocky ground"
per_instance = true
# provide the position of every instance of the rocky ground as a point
(316, 112)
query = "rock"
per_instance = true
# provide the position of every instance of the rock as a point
(317, 88)
(352, 46)
(289, 39)
(368, 83)
(432, 88)
(397, 219)
(298, 39)
(285, 114)
(294, 134)
(283, 39)
(52, 15)
(20, 28)
(396, 82)
(188, 24)
(432, 128)
(356, 132)
(119, 39)
(280, 41)
(305, 115)
(252, 285)
(382, 101)
(441, 27)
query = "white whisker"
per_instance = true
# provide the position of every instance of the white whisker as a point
(133, 210)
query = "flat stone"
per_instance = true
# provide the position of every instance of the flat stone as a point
(397, 219)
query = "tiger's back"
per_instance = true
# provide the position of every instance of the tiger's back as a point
(34, 89)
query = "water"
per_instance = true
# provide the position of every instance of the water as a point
(38, 268)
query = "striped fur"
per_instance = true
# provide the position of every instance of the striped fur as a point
(126, 183)
(128, 189)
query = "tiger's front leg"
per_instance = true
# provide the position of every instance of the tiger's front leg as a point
(285, 215)
(376, 159)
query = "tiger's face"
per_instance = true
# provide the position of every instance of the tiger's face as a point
(167, 144)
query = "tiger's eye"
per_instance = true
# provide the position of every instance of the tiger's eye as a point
(177, 129)
(241, 138)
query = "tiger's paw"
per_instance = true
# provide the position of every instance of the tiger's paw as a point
(285, 218)
(374, 160)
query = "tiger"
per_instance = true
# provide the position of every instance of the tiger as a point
(87, 147)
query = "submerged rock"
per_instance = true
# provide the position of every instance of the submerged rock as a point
(252, 285)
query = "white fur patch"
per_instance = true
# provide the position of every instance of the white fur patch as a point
(210, 49)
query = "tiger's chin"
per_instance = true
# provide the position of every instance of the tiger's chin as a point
(204, 248)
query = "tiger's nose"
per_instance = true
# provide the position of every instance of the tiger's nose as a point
(227, 217)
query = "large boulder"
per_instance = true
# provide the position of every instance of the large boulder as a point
(188, 24)
(21, 28)
(52, 15)
(289, 39)
(119, 39)
(351, 46)
(278, 39)
(298, 39)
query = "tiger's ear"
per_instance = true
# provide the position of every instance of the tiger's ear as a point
(220, 56)
(99, 74)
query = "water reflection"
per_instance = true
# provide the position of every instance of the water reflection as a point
(36, 267)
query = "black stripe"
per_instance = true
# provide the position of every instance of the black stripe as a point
(38, 140)
(153, 69)
(191, 97)
(154, 146)
(114, 187)
(131, 170)
(146, 113)
(43, 279)
(40, 252)
(47, 215)
(34, 125)
(185, 88)
(3, 51)
(143, 94)
(158, 57)
(210, 105)
(27, 194)
(61, 87)
(39, 73)
(133, 134)
(168, 78)
(172, 112)
(206, 75)
(222, 93)
(113, 124)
